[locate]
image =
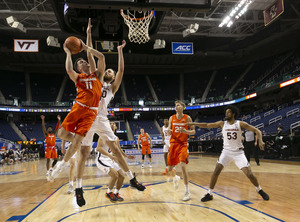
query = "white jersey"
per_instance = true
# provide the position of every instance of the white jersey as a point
(107, 96)
(166, 135)
(103, 157)
(232, 136)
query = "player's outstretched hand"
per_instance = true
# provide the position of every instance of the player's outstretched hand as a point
(67, 50)
(89, 27)
(261, 145)
(123, 45)
(42, 117)
(58, 117)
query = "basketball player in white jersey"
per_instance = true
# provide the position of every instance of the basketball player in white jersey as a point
(233, 149)
(64, 146)
(108, 164)
(166, 142)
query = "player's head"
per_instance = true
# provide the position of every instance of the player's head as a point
(80, 65)
(109, 75)
(142, 130)
(179, 106)
(231, 112)
(166, 122)
(49, 129)
(113, 126)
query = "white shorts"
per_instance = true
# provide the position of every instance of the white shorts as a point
(101, 126)
(238, 157)
(105, 164)
(166, 146)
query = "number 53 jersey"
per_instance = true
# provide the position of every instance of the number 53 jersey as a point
(232, 136)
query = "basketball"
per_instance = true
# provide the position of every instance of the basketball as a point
(74, 44)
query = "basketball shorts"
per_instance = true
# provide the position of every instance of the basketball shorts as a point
(178, 152)
(166, 146)
(146, 150)
(104, 163)
(79, 120)
(101, 126)
(50, 153)
(239, 158)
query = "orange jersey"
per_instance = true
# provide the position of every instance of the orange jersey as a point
(89, 90)
(144, 139)
(50, 140)
(176, 136)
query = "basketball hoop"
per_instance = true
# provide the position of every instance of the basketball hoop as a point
(138, 27)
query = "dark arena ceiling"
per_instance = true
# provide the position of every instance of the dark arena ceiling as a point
(247, 40)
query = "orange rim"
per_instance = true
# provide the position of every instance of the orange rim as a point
(137, 19)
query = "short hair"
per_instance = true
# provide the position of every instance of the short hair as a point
(75, 66)
(233, 109)
(181, 103)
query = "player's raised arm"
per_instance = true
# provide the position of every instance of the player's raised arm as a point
(89, 43)
(57, 124)
(249, 127)
(69, 65)
(119, 75)
(43, 125)
(207, 125)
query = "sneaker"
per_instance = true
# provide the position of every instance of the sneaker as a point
(142, 166)
(135, 184)
(186, 197)
(47, 176)
(207, 197)
(70, 189)
(79, 197)
(176, 181)
(166, 172)
(54, 173)
(111, 196)
(119, 198)
(264, 195)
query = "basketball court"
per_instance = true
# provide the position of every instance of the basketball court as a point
(235, 199)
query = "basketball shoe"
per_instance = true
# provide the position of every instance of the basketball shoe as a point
(59, 167)
(119, 198)
(70, 189)
(79, 197)
(186, 197)
(176, 181)
(207, 197)
(264, 195)
(135, 184)
(111, 196)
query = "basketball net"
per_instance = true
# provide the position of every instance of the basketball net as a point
(138, 27)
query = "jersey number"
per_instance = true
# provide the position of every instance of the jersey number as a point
(177, 129)
(232, 136)
(89, 85)
(104, 93)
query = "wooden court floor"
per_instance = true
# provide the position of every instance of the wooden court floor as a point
(25, 194)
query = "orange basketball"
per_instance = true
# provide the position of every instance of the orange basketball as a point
(74, 44)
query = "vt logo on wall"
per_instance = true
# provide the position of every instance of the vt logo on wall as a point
(26, 45)
(182, 48)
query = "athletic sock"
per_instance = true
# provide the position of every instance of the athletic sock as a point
(109, 190)
(210, 191)
(129, 174)
(71, 183)
(186, 186)
(258, 188)
(116, 191)
(78, 183)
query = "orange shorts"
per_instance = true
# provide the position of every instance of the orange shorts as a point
(178, 152)
(146, 150)
(50, 153)
(79, 120)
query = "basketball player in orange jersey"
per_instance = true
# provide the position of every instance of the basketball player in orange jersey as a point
(101, 125)
(233, 149)
(146, 142)
(50, 150)
(178, 151)
(88, 80)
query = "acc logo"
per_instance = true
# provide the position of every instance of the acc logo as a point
(182, 48)
(26, 45)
